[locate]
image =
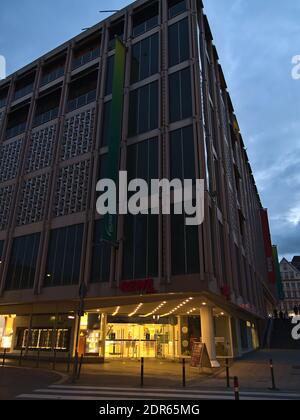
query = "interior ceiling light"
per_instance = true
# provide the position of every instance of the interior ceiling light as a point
(155, 310)
(181, 305)
(116, 311)
(136, 310)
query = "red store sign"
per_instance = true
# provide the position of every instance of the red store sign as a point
(145, 286)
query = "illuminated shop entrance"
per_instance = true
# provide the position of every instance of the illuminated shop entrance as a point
(149, 338)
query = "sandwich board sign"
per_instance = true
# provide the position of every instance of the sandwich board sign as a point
(200, 357)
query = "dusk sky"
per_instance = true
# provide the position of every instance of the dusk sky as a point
(256, 41)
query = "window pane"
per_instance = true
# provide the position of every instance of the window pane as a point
(178, 42)
(106, 124)
(186, 93)
(140, 258)
(180, 95)
(175, 106)
(178, 245)
(182, 154)
(145, 20)
(109, 74)
(142, 160)
(143, 110)
(176, 7)
(64, 256)
(145, 58)
(100, 256)
(133, 113)
(22, 264)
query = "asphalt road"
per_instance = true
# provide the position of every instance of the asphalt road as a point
(15, 381)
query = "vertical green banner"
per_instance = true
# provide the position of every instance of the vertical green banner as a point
(115, 132)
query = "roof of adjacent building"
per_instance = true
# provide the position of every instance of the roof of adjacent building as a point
(296, 262)
(290, 265)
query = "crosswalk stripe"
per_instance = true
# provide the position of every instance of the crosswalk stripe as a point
(181, 391)
(149, 394)
(66, 397)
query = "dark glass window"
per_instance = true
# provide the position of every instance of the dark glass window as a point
(85, 56)
(212, 239)
(218, 183)
(100, 256)
(3, 98)
(106, 124)
(52, 74)
(140, 258)
(117, 30)
(143, 109)
(144, 59)
(82, 91)
(182, 154)
(180, 95)
(142, 160)
(185, 246)
(145, 20)
(22, 263)
(103, 168)
(64, 256)
(179, 46)
(176, 7)
(223, 255)
(109, 75)
(214, 128)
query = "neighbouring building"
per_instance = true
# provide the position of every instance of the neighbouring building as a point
(291, 285)
(161, 284)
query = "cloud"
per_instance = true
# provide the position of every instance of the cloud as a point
(256, 42)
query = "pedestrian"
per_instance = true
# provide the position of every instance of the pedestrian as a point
(296, 310)
(275, 312)
(281, 315)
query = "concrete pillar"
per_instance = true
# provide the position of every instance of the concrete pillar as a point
(208, 334)
(103, 325)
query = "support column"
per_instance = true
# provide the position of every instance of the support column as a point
(29, 334)
(102, 336)
(208, 334)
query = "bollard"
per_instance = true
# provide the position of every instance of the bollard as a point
(4, 357)
(75, 367)
(69, 363)
(80, 366)
(227, 373)
(38, 359)
(236, 389)
(142, 372)
(54, 360)
(183, 374)
(21, 356)
(274, 388)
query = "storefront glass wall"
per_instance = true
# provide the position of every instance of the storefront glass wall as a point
(134, 339)
(6, 331)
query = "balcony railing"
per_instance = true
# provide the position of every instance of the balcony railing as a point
(45, 117)
(86, 58)
(23, 92)
(53, 75)
(81, 101)
(15, 130)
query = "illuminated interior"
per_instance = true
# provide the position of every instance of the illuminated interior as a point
(6, 331)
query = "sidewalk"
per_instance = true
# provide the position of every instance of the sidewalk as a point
(253, 372)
